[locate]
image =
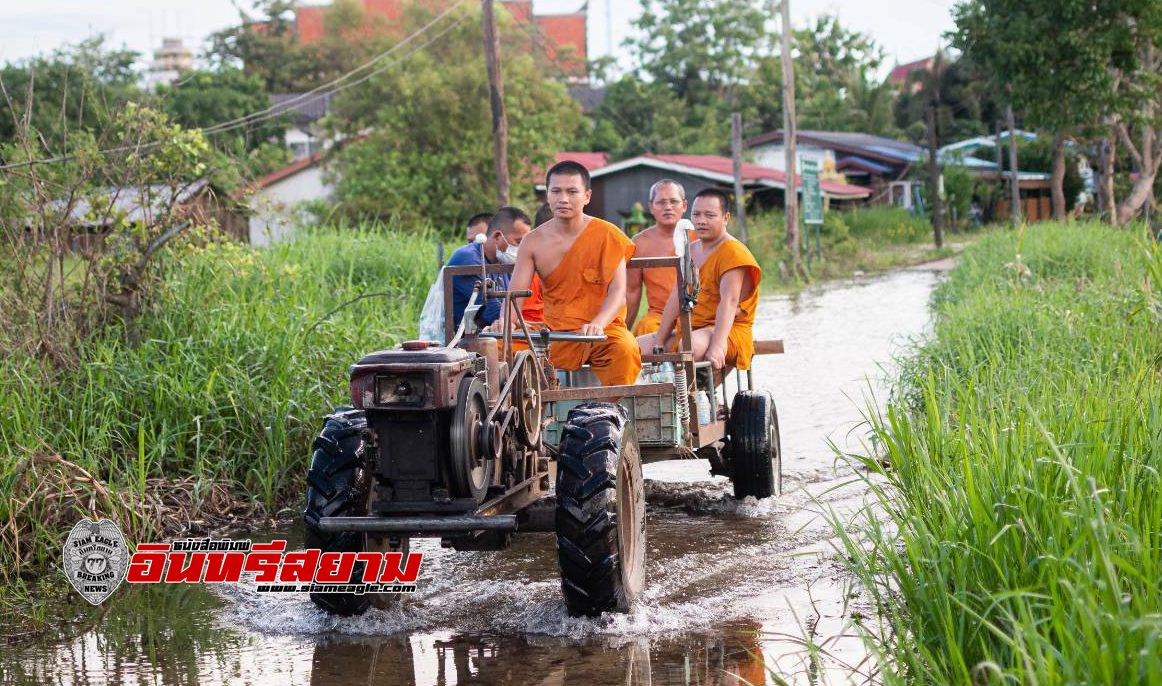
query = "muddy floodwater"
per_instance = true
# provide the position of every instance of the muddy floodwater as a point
(732, 590)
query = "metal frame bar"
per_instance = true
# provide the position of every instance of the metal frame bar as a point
(606, 392)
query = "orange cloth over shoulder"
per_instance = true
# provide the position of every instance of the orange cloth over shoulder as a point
(533, 308)
(573, 295)
(659, 283)
(732, 254)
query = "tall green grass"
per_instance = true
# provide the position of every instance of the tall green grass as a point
(1022, 541)
(224, 381)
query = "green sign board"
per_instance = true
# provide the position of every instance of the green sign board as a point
(812, 193)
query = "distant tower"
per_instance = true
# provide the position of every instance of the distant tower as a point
(170, 61)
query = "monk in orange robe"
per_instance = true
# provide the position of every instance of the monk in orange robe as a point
(722, 320)
(667, 205)
(581, 262)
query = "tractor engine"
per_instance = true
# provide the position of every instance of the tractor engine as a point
(427, 441)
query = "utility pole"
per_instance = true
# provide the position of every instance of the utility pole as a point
(736, 154)
(791, 163)
(1014, 187)
(496, 97)
(934, 178)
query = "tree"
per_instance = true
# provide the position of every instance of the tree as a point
(428, 156)
(80, 238)
(205, 98)
(264, 43)
(960, 94)
(703, 50)
(77, 87)
(1043, 54)
(647, 117)
(835, 77)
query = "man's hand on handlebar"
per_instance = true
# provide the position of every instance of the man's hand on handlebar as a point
(591, 329)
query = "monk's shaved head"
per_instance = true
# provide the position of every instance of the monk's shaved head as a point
(722, 197)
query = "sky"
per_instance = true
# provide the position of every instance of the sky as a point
(906, 29)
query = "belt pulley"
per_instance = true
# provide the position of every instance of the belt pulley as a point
(471, 466)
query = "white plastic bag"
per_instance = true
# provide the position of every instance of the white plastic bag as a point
(432, 316)
(682, 236)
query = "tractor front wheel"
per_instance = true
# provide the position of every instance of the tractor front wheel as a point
(601, 508)
(339, 485)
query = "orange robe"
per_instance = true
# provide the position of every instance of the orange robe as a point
(573, 295)
(732, 254)
(533, 308)
(533, 311)
(658, 283)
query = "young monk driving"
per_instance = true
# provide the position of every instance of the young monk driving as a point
(729, 276)
(581, 263)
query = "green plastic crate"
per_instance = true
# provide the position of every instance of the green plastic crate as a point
(655, 417)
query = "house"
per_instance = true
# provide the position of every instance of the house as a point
(197, 203)
(978, 156)
(617, 186)
(276, 200)
(300, 111)
(880, 164)
(560, 38)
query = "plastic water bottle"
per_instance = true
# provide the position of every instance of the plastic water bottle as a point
(703, 408)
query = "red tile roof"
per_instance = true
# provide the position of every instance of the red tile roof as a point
(723, 168)
(564, 33)
(280, 174)
(557, 33)
(309, 23)
(521, 10)
(901, 72)
(590, 160)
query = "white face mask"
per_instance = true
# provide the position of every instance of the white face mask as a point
(508, 255)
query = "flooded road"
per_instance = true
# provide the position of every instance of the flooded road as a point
(733, 588)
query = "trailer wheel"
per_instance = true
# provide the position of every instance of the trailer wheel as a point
(600, 518)
(755, 454)
(338, 485)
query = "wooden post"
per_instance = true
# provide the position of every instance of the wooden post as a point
(736, 154)
(1014, 182)
(934, 179)
(791, 162)
(496, 98)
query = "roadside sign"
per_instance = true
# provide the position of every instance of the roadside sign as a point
(812, 193)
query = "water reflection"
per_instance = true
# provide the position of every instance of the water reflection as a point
(448, 659)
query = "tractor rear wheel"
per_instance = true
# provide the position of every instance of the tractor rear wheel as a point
(755, 454)
(339, 485)
(600, 518)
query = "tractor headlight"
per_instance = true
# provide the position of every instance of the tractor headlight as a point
(402, 389)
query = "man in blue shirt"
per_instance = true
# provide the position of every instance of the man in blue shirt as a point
(505, 230)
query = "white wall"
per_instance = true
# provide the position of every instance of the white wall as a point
(774, 155)
(275, 209)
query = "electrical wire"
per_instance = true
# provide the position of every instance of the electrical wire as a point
(278, 110)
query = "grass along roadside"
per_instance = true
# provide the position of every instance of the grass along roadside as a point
(1019, 538)
(220, 395)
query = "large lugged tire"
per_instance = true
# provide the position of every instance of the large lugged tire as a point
(337, 485)
(756, 455)
(600, 519)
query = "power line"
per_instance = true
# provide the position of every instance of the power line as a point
(270, 112)
(320, 89)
